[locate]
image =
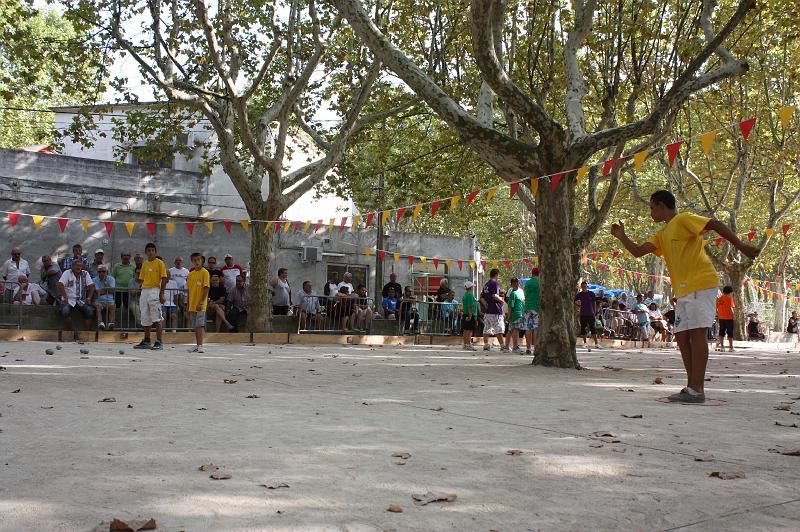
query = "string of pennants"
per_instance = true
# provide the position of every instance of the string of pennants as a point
(398, 214)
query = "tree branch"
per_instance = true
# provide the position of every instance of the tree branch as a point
(576, 83)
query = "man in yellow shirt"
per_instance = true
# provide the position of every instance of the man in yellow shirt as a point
(198, 285)
(694, 280)
(153, 276)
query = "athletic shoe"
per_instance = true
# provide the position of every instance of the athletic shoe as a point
(516, 349)
(157, 346)
(200, 349)
(111, 326)
(528, 352)
(504, 349)
(598, 346)
(469, 348)
(685, 397)
(487, 348)
(144, 344)
(102, 326)
(195, 349)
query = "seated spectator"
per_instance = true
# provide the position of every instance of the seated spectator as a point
(104, 286)
(389, 305)
(342, 308)
(216, 303)
(449, 311)
(348, 282)
(77, 291)
(230, 272)
(77, 255)
(657, 322)
(362, 310)
(26, 293)
(330, 290)
(238, 302)
(409, 316)
(14, 267)
(99, 255)
(794, 323)
(50, 275)
(308, 307)
(754, 331)
(393, 284)
(211, 266)
(170, 307)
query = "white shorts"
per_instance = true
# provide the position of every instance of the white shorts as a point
(696, 310)
(493, 324)
(150, 306)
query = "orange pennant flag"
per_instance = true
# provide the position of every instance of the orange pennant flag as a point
(267, 227)
(582, 171)
(534, 187)
(367, 252)
(785, 115)
(639, 158)
(416, 213)
(706, 140)
(385, 216)
(356, 221)
(423, 260)
(307, 226)
(490, 194)
(396, 258)
(170, 228)
(454, 202)
(472, 265)
(287, 225)
(332, 222)
(129, 226)
(245, 225)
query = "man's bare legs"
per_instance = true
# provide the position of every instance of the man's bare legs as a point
(694, 352)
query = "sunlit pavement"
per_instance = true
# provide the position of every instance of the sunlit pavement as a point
(326, 420)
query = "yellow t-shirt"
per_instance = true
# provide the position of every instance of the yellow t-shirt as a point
(152, 273)
(196, 283)
(681, 244)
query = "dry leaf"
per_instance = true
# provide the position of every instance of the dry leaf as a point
(514, 452)
(133, 525)
(230, 381)
(793, 425)
(658, 380)
(602, 434)
(704, 458)
(17, 390)
(274, 485)
(208, 467)
(622, 450)
(727, 475)
(788, 452)
(107, 400)
(632, 416)
(254, 396)
(596, 445)
(84, 358)
(437, 409)
(403, 456)
(394, 509)
(427, 498)
(219, 476)
(782, 407)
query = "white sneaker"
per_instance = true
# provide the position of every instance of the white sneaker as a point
(195, 349)
(102, 326)
(470, 348)
(504, 349)
(516, 349)
(200, 349)
(487, 347)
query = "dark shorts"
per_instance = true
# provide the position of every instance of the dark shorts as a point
(726, 326)
(587, 324)
(469, 323)
(280, 310)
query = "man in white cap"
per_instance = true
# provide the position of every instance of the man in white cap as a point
(99, 255)
(230, 272)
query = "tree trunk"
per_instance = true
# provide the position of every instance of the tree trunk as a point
(259, 315)
(559, 277)
(736, 278)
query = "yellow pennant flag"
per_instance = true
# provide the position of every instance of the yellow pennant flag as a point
(209, 226)
(769, 232)
(396, 258)
(797, 286)
(454, 202)
(306, 226)
(129, 226)
(85, 225)
(385, 216)
(582, 171)
(356, 221)
(535, 261)
(245, 225)
(423, 260)
(495, 264)
(37, 221)
(170, 228)
(605, 256)
(490, 194)
(367, 252)
(639, 158)
(287, 225)
(331, 223)
(706, 140)
(785, 114)
(448, 263)
(472, 265)
(417, 211)
(534, 187)
(267, 227)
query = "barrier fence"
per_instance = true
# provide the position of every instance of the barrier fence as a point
(319, 314)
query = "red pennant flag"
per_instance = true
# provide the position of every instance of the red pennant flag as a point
(719, 241)
(672, 152)
(751, 235)
(528, 262)
(507, 263)
(669, 280)
(370, 216)
(278, 226)
(319, 225)
(472, 196)
(483, 265)
(13, 217)
(436, 263)
(638, 276)
(595, 255)
(62, 223)
(746, 126)
(608, 166)
(296, 226)
(435, 207)
(410, 260)
(555, 180)
(460, 263)
(151, 227)
(227, 224)
(513, 189)
(603, 267)
(615, 254)
(109, 227)
(189, 227)
(400, 212)
(381, 254)
(653, 278)
(786, 228)
(344, 224)
(620, 272)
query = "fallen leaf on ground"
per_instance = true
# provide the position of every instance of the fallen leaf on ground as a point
(727, 475)
(437, 409)
(622, 450)
(514, 452)
(46, 407)
(254, 396)
(793, 425)
(202, 408)
(274, 485)
(394, 509)
(208, 467)
(84, 358)
(658, 380)
(632, 416)
(782, 407)
(427, 498)
(596, 445)
(17, 390)
(704, 458)
(602, 434)
(219, 476)
(132, 525)
(107, 400)
(230, 381)
(404, 456)
(787, 452)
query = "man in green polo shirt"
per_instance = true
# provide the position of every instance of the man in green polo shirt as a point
(123, 272)
(530, 315)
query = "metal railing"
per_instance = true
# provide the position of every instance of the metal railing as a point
(429, 317)
(624, 324)
(320, 314)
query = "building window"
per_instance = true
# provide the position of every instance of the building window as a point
(142, 156)
(360, 273)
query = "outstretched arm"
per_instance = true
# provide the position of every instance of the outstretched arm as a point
(725, 232)
(637, 250)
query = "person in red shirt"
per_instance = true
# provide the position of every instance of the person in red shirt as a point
(725, 306)
(230, 272)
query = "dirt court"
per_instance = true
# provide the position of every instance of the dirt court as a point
(521, 447)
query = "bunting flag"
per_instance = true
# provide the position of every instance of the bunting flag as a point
(296, 226)
(109, 227)
(287, 225)
(672, 152)
(85, 225)
(332, 222)
(483, 265)
(605, 255)
(400, 212)
(608, 166)
(170, 228)
(435, 207)
(356, 221)
(381, 255)
(367, 251)
(495, 264)
(396, 258)
(448, 263)
(472, 265)
(769, 231)
(343, 224)
(746, 126)
(189, 227)
(37, 221)
(370, 216)
(534, 187)
(319, 226)
(209, 226)
(423, 260)
(554, 180)
(411, 260)
(307, 226)
(436, 263)
(785, 115)
(13, 218)
(751, 235)
(513, 189)
(615, 254)
(62, 223)
(460, 264)
(471, 197)
(785, 228)
(507, 263)
(267, 227)
(385, 216)
(417, 211)
(639, 159)
(454, 203)
(129, 226)
(719, 241)
(490, 194)
(706, 140)
(245, 225)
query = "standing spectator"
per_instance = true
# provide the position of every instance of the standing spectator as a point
(649, 298)
(585, 301)
(198, 284)
(230, 272)
(530, 314)
(342, 308)
(331, 287)
(409, 315)
(308, 306)
(124, 273)
(516, 306)
(76, 289)
(77, 255)
(392, 284)
(99, 255)
(725, 306)
(212, 267)
(362, 311)
(281, 293)
(492, 303)
(348, 282)
(170, 306)
(49, 278)
(216, 302)
(643, 320)
(154, 281)
(15, 266)
(27, 293)
(450, 312)
(389, 305)
(442, 291)
(180, 275)
(138, 260)
(104, 285)
(238, 302)
(624, 303)
(469, 315)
